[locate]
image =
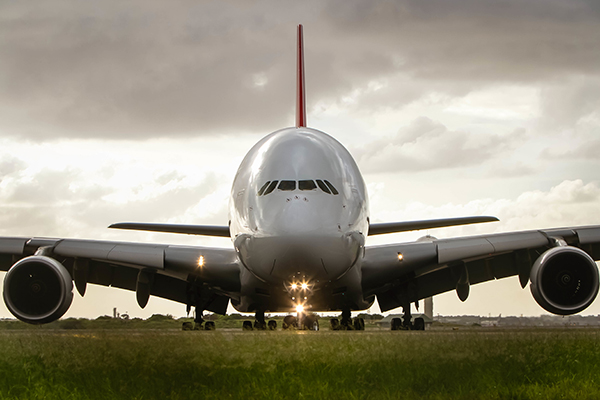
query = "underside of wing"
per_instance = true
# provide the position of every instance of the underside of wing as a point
(558, 262)
(38, 287)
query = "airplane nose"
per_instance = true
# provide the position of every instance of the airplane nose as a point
(300, 214)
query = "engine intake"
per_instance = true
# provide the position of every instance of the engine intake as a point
(564, 280)
(38, 290)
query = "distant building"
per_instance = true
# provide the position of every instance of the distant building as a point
(429, 307)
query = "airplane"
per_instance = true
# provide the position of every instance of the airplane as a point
(298, 222)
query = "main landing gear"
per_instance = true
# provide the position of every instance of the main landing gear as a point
(398, 325)
(199, 298)
(197, 325)
(259, 323)
(347, 323)
(405, 323)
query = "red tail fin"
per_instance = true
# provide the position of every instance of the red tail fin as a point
(300, 97)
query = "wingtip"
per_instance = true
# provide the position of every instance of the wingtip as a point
(118, 225)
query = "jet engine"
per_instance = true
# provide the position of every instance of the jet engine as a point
(38, 290)
(564, 280)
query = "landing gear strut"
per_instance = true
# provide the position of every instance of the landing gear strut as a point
(346, 322)
(199, 297)
(259, 321)
(406, 324)
(198, 320)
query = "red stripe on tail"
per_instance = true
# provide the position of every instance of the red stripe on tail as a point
(300, 97)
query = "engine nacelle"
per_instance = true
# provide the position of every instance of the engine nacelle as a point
(38, 290)
(564, 280)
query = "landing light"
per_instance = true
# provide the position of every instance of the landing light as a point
(294, 286)
(201, 261)
(304, 286)
(400, 257)
(299, 308)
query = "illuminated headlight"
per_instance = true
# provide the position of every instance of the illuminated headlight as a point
(299, 308)
(201, 261)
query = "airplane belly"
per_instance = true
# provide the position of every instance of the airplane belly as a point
(318, 258)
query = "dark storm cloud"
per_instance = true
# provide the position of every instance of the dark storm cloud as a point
(146, 69)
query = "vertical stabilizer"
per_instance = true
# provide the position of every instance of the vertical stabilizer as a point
(300, 97)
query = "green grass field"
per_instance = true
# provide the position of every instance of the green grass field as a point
(159, 364)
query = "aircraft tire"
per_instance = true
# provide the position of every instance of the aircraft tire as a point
(334, 324)
(419, 324)
(272, 324)
(260, 326)
(289, 322)
(209, 326)
(359, 324)
(187, 326)
(247, 326)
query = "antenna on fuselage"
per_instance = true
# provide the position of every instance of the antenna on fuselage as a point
(300, 97)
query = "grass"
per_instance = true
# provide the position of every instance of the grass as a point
(159, 364)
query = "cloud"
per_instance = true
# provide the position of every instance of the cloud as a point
(570, 203)
(428, 145)
(589, 150)
(10, 165)
(148, 69)
(68, 203)
(565, 104)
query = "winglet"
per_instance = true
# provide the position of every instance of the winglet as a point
(300, 96)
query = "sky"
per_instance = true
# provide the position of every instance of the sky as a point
(142, 111)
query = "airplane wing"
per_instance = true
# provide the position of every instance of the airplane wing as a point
(559, 263)
(184, 274)
(208, 230)
(405, 226)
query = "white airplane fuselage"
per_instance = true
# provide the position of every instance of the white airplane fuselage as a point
(299, 214)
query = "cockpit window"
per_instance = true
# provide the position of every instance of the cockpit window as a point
(287, 185)
(323, 186)
(330, 186)
(271, 187)
(263, 188)
(307, 185)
